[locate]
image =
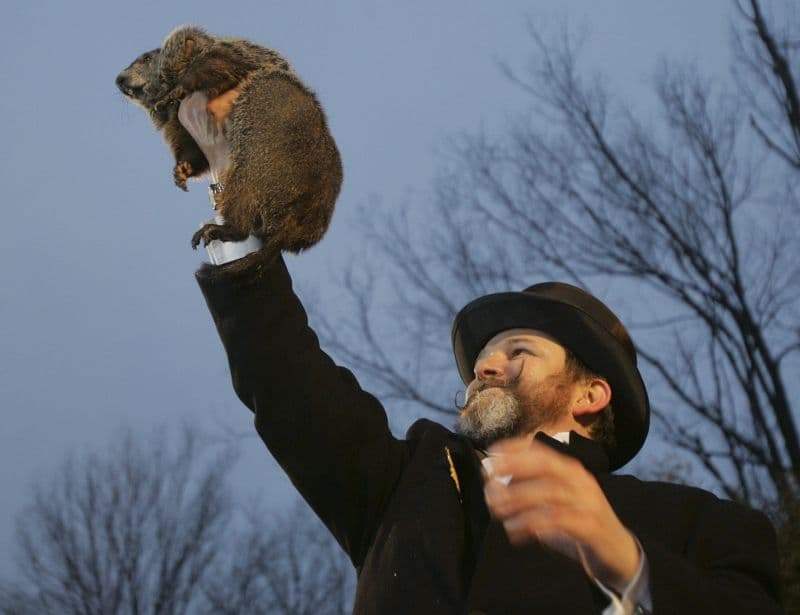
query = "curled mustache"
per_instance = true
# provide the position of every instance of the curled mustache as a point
(486, 384)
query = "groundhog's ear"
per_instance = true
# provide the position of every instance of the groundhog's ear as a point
(187, 49)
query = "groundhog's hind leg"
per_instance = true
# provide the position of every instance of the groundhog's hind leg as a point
(223, 232)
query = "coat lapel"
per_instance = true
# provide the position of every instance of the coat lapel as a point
(466, 467)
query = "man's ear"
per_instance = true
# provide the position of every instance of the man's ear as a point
(595, 395)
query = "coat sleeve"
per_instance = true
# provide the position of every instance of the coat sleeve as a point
(729, 565)
(330, 436)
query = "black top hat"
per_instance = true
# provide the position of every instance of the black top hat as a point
(581, 323)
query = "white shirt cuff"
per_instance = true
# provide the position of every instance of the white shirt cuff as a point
(636, 598)
(221, 252)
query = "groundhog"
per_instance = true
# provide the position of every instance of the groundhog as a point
(285, 172)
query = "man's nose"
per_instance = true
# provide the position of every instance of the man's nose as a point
(493, 365)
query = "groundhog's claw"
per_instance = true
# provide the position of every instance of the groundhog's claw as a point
(196, 239)
(208, 232)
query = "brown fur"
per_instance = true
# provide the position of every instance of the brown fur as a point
(285, 171)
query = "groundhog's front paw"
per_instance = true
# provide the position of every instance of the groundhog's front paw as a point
(174, 97)
(161, 107)
(182, 171)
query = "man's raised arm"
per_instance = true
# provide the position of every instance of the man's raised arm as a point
(330, 436)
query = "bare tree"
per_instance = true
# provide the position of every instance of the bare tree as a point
(767, 69)
(132, 531)
(151, 527)
(283, 564)
(686, 223)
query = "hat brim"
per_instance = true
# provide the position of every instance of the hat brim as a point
(485, 317)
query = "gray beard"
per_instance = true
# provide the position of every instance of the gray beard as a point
(489, 417)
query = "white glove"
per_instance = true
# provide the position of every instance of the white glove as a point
(210, 137)
(206, 131)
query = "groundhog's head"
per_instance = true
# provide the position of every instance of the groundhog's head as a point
(140, 79)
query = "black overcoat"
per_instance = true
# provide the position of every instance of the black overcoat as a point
(410, 512)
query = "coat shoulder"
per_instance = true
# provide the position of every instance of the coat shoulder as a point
(425, 428)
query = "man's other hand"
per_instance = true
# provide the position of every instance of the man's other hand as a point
(554, 499)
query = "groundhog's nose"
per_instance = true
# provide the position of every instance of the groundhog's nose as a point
(120, 81)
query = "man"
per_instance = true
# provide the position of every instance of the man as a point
(516, 513)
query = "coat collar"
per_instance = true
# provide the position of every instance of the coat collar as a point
(590, 453)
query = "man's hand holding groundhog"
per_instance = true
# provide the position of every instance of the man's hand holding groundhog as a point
(206, 120)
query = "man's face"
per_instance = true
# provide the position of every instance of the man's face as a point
(520, 387)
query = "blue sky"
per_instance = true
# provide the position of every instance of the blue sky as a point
(101, 321)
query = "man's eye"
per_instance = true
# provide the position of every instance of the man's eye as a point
(518, 351)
